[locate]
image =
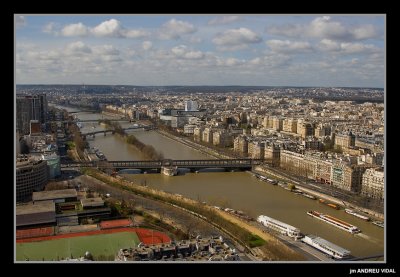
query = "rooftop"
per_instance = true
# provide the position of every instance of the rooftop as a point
(92, 202)
(40, 207)
(38, 213)
(54, 194)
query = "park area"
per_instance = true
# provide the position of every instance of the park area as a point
(102, 244)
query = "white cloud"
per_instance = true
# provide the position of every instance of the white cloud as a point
(109, 28)
(75, 30)
(108, 50)
(269, 61)
(234, 39)
(179, 51)
(325, 28)
(255, 61)
(347, 47)
(233, 62)
(364, 32)
(352, 48)
(147, 45)
(20, 21)
(286, 46)
(149, 61)
(221, 20)
(78, 47)
(182, 52)
(195, 40)
(49, 28)
(329, 45)
(174, 29)
(229, 62)
(288, 30)
(194, 55)
(134, 33)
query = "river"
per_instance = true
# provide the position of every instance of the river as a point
(237, 190)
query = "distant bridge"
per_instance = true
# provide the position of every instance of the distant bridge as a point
(230, 164)
(84, 111)
(97, 120)
(113, 131)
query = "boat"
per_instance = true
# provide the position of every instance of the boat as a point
(327, 247)
(379, 223)
(335, 222)
(170, 170)
(336, 207)
(357, 215)
(271, 181)
(262, 178)
(281, 227)
(309, 196)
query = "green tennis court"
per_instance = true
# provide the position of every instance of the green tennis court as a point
(103, 244)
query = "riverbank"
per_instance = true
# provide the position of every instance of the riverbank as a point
(113, 115)
(261, 170)
(237, 229)
(201, 148)
(211, 152)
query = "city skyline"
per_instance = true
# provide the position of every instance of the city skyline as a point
(259, 50)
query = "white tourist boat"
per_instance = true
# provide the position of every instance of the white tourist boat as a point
(335, 222)
(327, 247)
(366, 218)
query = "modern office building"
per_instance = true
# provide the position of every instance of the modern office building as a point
(31, 176)
(53, 165)
(30, 107)
(191, 106)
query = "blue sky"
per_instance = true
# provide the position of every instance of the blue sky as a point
(272, 50)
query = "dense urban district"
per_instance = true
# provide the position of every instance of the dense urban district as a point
(326, 144)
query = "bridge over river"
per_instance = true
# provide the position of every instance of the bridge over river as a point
(112, 131)
(229, 164)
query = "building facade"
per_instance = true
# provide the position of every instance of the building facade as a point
(272, 154)
(290, 125)
(191, 106)
(207, 135)
(241, 145)
(348, 177)
(30, 176)
(222, 138)
(32, 107)
(256, 150)
(198, 133)
(373, 183)
(345, 140)
(188, 129)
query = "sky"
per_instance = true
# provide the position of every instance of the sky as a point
(227, 49)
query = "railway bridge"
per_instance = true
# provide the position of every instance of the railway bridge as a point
(193, 165)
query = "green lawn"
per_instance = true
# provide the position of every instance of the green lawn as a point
(106, 244)
(255, 241)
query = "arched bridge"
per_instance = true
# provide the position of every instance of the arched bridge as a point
(191, 164)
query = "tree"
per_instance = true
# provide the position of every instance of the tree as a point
(24, 148)
(291, 187)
